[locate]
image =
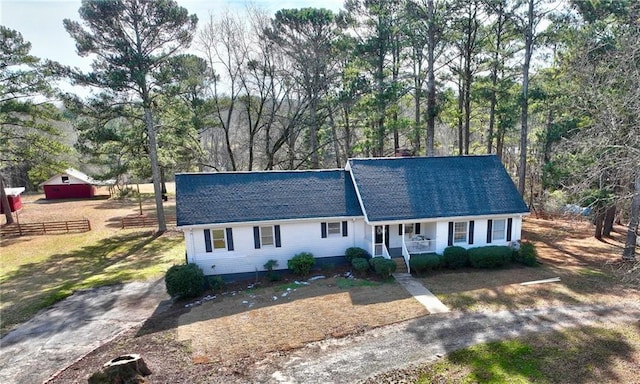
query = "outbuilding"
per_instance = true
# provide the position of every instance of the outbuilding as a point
(15, 201)
(70, 184)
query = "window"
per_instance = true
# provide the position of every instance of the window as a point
(408, 229)
(65, 179)
(266, 235)
(219, 241)
(460, 232)
(497, 232)
(334, 228)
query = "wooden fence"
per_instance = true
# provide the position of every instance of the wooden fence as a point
(145, 221)
(45, 228)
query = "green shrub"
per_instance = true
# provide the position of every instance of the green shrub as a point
(271, 275)
(186, 280)
(455, 257)
(425, 262)
(301, 263)
(215, 283)
(493, 256)
(360, 265)
(527, 255)
(353, 252)
(383, 267)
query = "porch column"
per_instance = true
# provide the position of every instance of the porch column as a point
(373, 240)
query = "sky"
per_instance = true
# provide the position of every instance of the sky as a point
(40, 21)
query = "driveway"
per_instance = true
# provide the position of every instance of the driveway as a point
(420, 341)
(64, 333)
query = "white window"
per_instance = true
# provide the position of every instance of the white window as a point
(266, 235)
(334, 228)
(498, 229)
(218, 237)
(460, 232)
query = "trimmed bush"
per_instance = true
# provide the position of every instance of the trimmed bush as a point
(301, 263)
(186, 280)
(493, 256)
(356, 252)
(360, 265)
(425, 262)
(527, 255)
(215, 283)
(271, 275)
(455, 257)
(383, 267)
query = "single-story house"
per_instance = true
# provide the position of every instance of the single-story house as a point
(14, 197)
(70, 184)
(234, 222)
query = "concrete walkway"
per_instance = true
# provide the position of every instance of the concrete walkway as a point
(420, 293)
(58, 336)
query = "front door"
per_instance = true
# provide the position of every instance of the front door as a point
(379, 238)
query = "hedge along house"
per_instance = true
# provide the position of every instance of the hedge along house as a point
(70, 184)
(234, 222)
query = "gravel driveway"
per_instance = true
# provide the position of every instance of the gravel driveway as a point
(419, 341)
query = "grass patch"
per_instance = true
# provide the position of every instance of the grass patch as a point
(344, 283)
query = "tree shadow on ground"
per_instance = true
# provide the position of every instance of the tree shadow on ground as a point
(106, 262)
(579, 354)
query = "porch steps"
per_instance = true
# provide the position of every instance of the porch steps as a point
(401, 266)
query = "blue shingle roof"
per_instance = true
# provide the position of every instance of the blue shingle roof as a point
(431, 187)
(204, 198)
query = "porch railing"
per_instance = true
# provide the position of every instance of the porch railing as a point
(420, 246)
(381, 250)
(407, 256)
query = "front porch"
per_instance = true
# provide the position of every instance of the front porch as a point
(402, 240)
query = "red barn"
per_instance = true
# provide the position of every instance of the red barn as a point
(71, 184)
(15, 201)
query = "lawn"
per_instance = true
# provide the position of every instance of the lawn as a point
(37, 271)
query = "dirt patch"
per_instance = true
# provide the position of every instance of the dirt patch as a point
(253, 322)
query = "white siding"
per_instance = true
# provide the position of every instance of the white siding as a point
(479, 233)
(295, 237)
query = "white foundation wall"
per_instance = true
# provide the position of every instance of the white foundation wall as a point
(296, 237)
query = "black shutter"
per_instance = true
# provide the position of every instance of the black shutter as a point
(323, 230)
(489, 230)
(276, 229)
(207, 240)
(345, 230)
(416, 228)
(450, 241)
(229, 239)
(399, 229)
(509, 228)
(256, 237)
(471, 228)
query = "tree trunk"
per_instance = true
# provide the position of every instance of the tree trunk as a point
(155, 168)
(494, 77)
(431, 80)
(609, 218)
(599, 222)
(4, 200)
(522, 169)
(629, 252)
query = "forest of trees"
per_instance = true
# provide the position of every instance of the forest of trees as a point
(549, 87)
